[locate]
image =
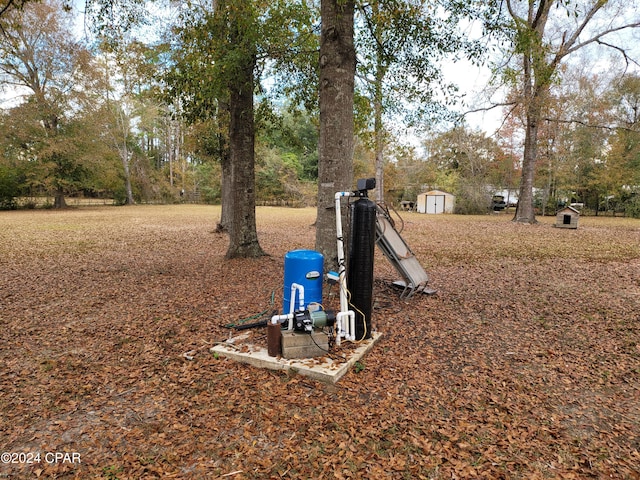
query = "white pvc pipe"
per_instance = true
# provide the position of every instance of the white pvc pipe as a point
(299, 288)
(347, 330)
(352, 326)
(338, 328)
(281, 318)
(344, 303)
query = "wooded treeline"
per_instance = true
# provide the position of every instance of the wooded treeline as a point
(137, 117)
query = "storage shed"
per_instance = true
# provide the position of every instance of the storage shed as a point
(567, 217)
(435, 201)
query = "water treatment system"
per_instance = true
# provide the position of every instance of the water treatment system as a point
(305, 328)
(303, 278)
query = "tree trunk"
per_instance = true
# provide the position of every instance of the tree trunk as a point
(225, 164)
(171, 154)
(59, 201)
(335, 144)
(533, 104)
(124, 155)
(127, 181)
(51, 123)
(226, 213)
(525, 212)
(243, 236)
(379, 129)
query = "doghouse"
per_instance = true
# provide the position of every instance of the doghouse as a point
(567, 217)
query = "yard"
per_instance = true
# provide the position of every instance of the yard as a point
(524, 365)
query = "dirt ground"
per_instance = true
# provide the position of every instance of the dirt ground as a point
(524, 365)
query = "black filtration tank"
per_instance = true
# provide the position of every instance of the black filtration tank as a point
(360, 272)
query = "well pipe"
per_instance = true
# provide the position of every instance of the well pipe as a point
(299, 288)
(346, 329)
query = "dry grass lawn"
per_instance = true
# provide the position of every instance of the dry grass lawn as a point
(524, 365)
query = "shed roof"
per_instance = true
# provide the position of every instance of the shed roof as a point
(437, 192)
(570, 209)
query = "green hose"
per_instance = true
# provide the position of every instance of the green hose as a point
(254, 316)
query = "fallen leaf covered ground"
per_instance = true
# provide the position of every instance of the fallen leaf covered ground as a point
(524, 365)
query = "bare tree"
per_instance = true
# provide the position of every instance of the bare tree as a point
(543, 34)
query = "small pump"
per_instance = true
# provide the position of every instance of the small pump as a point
(306, 321)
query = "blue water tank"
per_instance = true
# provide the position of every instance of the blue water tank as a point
(302, 267)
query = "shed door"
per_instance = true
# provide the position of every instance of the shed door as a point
(422, 204)
(435, 204)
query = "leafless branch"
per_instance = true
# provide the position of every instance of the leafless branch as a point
(542, 8)
(512, 12)
(574, 37)
(622, 51)
(591, 125)
(598, 38)
(488, 108)
(513, 105)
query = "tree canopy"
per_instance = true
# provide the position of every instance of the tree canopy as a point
(120, 116)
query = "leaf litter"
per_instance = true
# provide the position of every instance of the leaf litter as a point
(525, 364)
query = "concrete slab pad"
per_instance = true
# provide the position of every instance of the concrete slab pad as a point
(323, 369)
